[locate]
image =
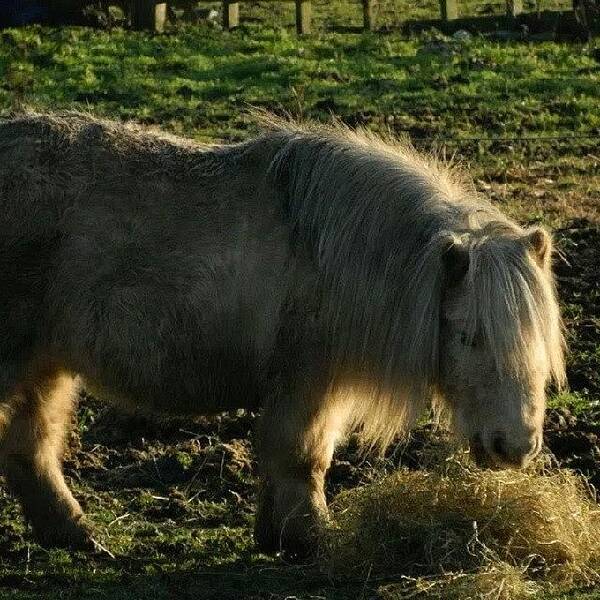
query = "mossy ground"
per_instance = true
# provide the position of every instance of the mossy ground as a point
(174, 502)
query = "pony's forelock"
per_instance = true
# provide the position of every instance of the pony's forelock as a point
(512, 303)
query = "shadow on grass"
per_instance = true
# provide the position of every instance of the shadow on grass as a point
(250, 578)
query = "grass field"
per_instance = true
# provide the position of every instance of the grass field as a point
(174, 502)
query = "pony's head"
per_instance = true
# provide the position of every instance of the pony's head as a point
(500, 340)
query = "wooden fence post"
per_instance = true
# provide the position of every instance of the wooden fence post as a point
(514, 7)
(368, 15)
(303, 9)
(148, 14)
(231, 14)
(449, 9)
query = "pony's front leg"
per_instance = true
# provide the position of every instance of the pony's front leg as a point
(296, 439)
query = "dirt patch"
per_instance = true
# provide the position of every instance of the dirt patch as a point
(579, 289)
(574, 442)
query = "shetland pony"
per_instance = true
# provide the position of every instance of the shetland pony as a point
(329, 278)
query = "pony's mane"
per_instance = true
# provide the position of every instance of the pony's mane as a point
(378, 218)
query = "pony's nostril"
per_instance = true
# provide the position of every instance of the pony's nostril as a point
(499, 445)
(517, 454)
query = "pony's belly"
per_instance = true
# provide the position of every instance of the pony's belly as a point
(105, 394)
(182, 398)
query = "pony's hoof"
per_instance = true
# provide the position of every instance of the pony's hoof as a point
(291, 548)
(296, 539)
(290, 520)
(72, 535)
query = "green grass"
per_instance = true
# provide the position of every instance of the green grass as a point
(187, 534)
(197, 81)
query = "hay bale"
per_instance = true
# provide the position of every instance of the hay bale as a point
(465, 533)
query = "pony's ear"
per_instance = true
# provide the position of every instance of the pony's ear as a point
(539, 243)
(456, 261)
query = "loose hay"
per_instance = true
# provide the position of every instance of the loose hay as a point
(465, 533)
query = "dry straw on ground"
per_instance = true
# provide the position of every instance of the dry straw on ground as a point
(465, 533)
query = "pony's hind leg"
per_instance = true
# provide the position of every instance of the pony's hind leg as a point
(295, 442)
(32, 436)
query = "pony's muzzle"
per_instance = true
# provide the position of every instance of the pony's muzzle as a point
(504, 451)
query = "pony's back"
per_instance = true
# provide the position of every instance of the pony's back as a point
(119, 242)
